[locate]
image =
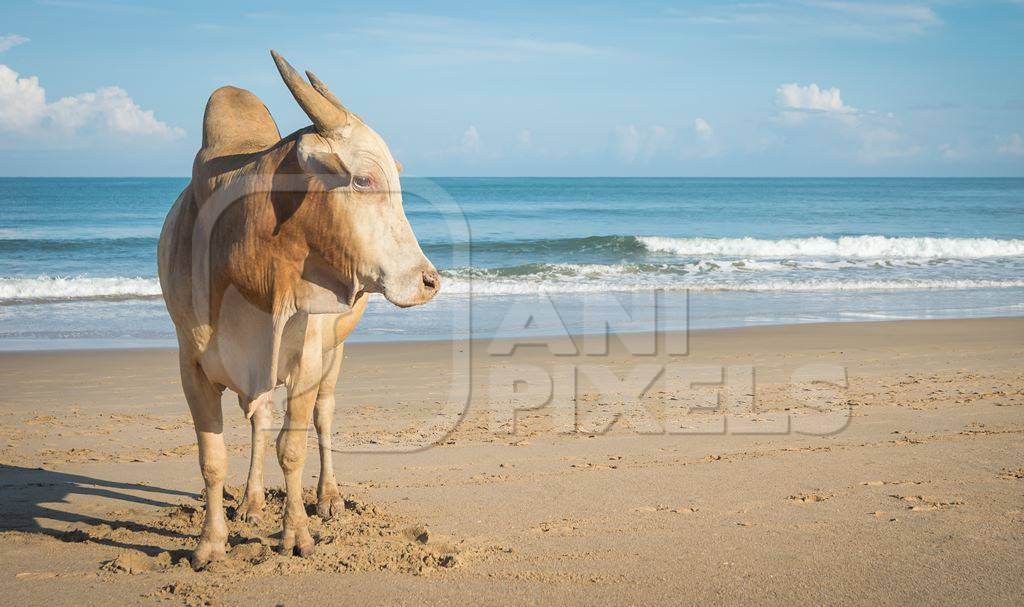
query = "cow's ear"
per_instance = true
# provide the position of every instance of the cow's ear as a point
(398, 165)
(326, 167)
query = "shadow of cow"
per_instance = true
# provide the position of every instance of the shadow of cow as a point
(38, 501)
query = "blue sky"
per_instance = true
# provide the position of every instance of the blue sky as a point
(777, 88)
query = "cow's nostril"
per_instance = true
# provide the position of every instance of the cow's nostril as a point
(431, 279)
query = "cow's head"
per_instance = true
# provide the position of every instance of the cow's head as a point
(359, 235)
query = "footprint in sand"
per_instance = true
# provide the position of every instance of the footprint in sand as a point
(807, 498)
(919, 503)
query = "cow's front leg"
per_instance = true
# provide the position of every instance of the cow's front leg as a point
(204, 402)
(329, 502)
(254, 501)
(291, 453)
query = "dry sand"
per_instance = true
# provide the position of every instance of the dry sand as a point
(915, 496)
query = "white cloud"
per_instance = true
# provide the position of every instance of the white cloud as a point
(629, 142)
(641, 143)
(878, 142)
(104, 7)
(10, 41)
(794, 96)
(108, 110)
(703, 129)
(707, 144)
(525, 137)
(915, 18)
(644, 144)
(435, 39)
(950, 152)
(468, 145)
(112, 107)
(1012, 145)
(824, 116)
(471, 141)
(544, 47)
(819, 18)
(22, 101)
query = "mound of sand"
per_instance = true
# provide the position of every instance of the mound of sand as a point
(363, 538)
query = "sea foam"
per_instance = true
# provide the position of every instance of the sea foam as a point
(51, 288)
(484, 287)
(857, 247)
(849, 263)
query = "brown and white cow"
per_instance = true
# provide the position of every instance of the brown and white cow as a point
(265, 261)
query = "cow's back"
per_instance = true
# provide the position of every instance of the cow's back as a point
(174, 265)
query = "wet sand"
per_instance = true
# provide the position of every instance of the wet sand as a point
(842, 463)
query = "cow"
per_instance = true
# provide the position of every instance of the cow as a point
(266, 261)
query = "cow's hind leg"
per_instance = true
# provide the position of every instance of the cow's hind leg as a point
(254, 501)
(329, 502)
(203, 398)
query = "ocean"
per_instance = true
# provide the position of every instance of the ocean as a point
(525, 256)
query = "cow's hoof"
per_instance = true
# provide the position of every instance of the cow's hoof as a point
(298, 542)
(330, 506)
(207, 552)
(306, 550)
(250, 511)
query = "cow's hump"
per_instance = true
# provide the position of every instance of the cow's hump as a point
(237, 122)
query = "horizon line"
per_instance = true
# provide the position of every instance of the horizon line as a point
(568, 177)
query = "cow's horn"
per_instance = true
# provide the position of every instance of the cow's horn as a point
(323, 90)
(326, 116)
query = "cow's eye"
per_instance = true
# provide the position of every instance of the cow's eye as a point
(363, 182)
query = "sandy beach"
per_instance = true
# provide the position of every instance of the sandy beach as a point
(704, 303)
(905, 485)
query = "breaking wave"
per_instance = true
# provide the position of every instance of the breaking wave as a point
(792, 286)
(63, 288)
(857, 247)
(545, 278)
(845, 247)
(644, 263)
(704, 276)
